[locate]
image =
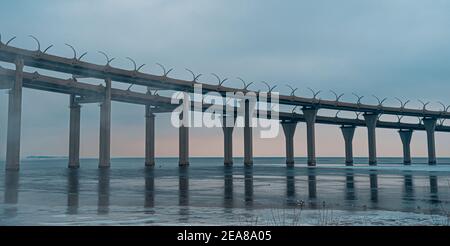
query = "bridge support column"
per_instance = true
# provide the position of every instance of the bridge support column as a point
(310, 118)
(14, 120)
(248, 135)
(74, 133)
(183, 142)
(405, 136)
(430, 125)
(149, 137)
(289, 131)
(348, 132)
(371, 123)
(105, 128)
(227, 145)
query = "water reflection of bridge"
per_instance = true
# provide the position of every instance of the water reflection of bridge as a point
(353, 193)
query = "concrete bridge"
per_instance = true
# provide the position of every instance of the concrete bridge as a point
(80, 93)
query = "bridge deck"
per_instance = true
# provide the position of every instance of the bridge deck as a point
(38, 59)
(163, 104)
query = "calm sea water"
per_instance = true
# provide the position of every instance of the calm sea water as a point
(45, 192)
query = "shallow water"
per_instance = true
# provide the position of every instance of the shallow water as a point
(45, 192)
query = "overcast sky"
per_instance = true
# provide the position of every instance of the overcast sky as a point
(390, 48)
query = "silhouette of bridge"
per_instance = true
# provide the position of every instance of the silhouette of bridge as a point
(80, 93)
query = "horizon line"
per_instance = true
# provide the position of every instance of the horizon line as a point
(121, 157)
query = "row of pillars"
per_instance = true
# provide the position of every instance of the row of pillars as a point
(105, 133)
(14, 127)
(105, 130)
(310, 113)
(348, 132)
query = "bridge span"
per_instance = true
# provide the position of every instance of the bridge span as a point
(80, 93)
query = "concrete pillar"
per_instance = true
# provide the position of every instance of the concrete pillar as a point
(290, 186)
(74, 133)
(248, 186)
(72, 191)
(408, 187)
(371, 123)
(183, 189)
(348, 132)
(350, 194)
(149, 137)
(312, 184)
(430, 125)
(14, 120)
(183, 144)
(405, 136)
(227, 145)
(310, 118)
(248, 135)
(228, 187)
(103, 191)
(105, 128)
(11, 190)
(433, 184)
(373, 177)
(149, 187)
(289, 131)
